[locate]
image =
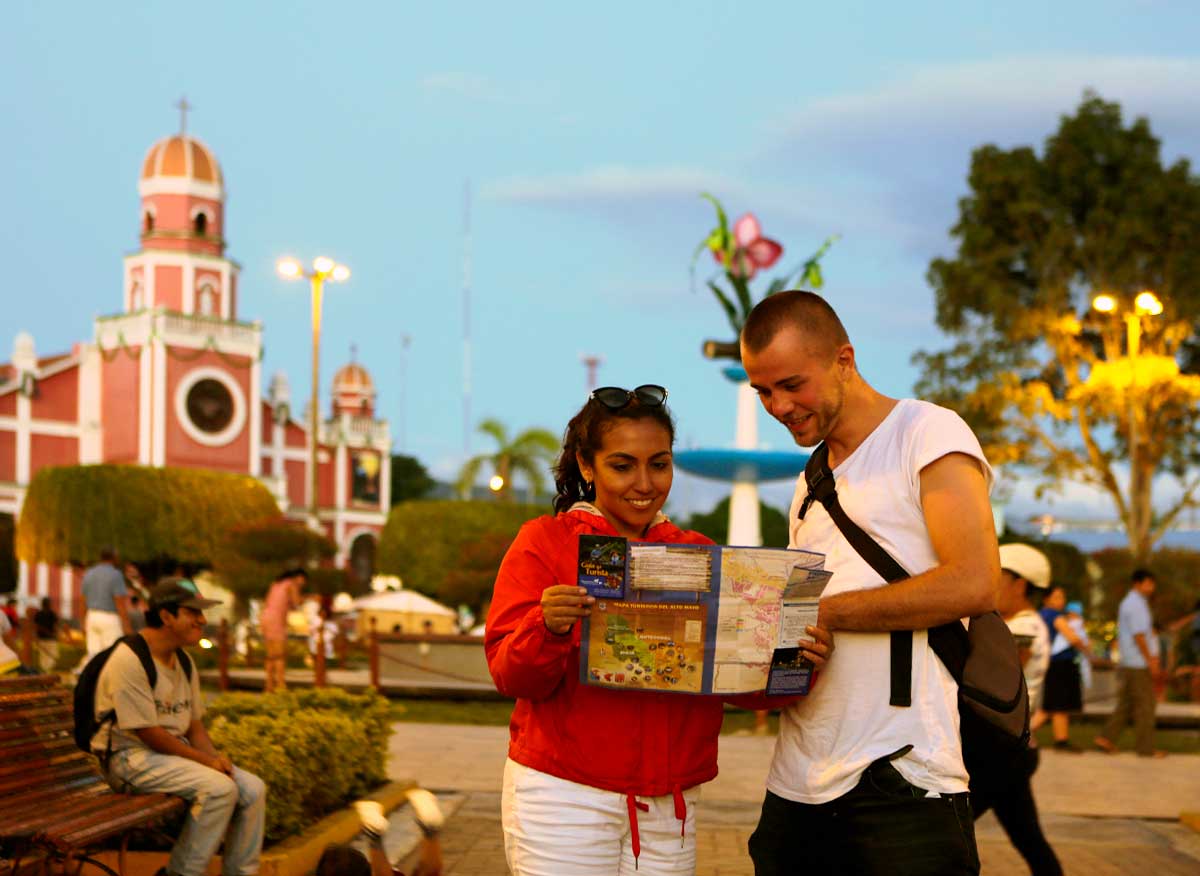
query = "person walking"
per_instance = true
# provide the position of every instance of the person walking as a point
(106, 604)
(1138, 667)
(1064, 681)
(866, 779)
(283, 596)
(1023, 569)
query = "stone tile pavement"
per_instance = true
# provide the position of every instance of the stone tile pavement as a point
(1105, 815)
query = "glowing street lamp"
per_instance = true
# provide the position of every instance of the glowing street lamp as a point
(496, 484)
(1146, 303)
(323, 269)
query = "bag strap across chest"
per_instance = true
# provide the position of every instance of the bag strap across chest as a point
(822, 488)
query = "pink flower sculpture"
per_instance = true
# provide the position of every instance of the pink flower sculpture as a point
(751, 252)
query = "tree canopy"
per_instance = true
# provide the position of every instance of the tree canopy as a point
(71, 512)
(425, 542)
(252, 554)
(528, 453)
(410, 479)
(1044, 379)
(715, 524)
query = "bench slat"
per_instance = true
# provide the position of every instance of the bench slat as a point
(19, 805)
(52, 726)
(137, 809)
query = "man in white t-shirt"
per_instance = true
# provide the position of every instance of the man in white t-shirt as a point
(159, 743)
(1023, 569)
(858, 785)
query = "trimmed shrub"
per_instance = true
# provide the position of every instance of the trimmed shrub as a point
(423, 542)
(251, 554)
(71, 512)
(316, 749)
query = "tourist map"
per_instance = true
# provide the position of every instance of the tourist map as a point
(696, 619)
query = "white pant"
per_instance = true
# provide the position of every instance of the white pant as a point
(553, 827)
(233, 809)
(102, 628)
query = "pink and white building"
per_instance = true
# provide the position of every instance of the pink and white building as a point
(175, 379)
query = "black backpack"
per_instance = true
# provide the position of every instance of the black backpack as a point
(993, 702)
(87, 724)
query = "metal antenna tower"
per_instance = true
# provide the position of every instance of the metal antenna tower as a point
(592, 362)
(466, 303)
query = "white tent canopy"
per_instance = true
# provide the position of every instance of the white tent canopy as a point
(403, 601)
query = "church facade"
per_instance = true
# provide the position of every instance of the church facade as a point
(175, 379)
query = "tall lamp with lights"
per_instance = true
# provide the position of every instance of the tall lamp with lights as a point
(323, 269)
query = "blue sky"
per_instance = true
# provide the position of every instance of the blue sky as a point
(586, 133)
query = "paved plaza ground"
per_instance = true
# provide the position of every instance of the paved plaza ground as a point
(1104, 815)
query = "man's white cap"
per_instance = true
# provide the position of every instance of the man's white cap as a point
(1028, 562)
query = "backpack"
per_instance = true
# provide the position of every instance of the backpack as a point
(993, 702)
(87, 724)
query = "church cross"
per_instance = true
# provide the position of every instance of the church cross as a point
(183, 106)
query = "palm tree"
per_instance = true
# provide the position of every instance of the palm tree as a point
(529, 454)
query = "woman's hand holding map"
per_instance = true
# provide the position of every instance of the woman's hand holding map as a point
(562, 605)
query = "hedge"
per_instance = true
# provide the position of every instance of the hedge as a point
(424, 541)
(71, 512)
(317, 750)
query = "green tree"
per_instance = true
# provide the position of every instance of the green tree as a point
(1043, 378)
(529, 454)
(715, 524)
(471, 580)
(252, 554)
(424, 542)
(148, 514)
(410, 479)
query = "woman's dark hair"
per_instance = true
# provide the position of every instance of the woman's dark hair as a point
(585, 435)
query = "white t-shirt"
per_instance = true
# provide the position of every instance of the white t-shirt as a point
(1028, 622)
(173, 704)
(829, 737)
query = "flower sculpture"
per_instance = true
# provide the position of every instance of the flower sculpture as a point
(742, 251)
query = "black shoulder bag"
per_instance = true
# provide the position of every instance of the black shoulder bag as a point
(993, 703)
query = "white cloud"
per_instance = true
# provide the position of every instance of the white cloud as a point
(1009, 100)
(480, 89)
(614, 184)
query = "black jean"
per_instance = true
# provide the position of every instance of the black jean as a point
(883, 826)
(1012, 799)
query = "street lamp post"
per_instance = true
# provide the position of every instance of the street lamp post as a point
(1145, 304)
(323, 268)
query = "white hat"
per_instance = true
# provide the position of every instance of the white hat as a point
(1028, 562)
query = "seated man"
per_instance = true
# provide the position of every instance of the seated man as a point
(159, 744)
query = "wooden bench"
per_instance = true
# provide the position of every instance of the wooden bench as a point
(54, 803)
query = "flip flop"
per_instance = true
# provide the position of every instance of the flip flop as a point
(1104, 745)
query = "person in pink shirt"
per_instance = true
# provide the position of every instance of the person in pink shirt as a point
(283, 596)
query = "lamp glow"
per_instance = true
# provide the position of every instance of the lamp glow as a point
(1147, 304)
(340, 274)
(1104, 303)
(496, 484)
(322, 264)
(288, 268)
(205, 644)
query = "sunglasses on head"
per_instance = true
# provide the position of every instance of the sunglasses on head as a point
(614, 397)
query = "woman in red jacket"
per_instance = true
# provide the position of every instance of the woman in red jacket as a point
(595, 777)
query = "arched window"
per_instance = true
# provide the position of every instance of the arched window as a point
(147, 222)
(200, 224)
(207, 305)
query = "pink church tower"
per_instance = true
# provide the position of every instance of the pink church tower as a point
(180, 375)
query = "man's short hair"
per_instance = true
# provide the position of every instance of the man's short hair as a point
(343, 861)
(107, 554)
(805, 311)
(1140, 575)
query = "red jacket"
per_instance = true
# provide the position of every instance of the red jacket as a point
(641, 743)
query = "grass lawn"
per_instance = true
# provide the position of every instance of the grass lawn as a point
(1174, 740)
